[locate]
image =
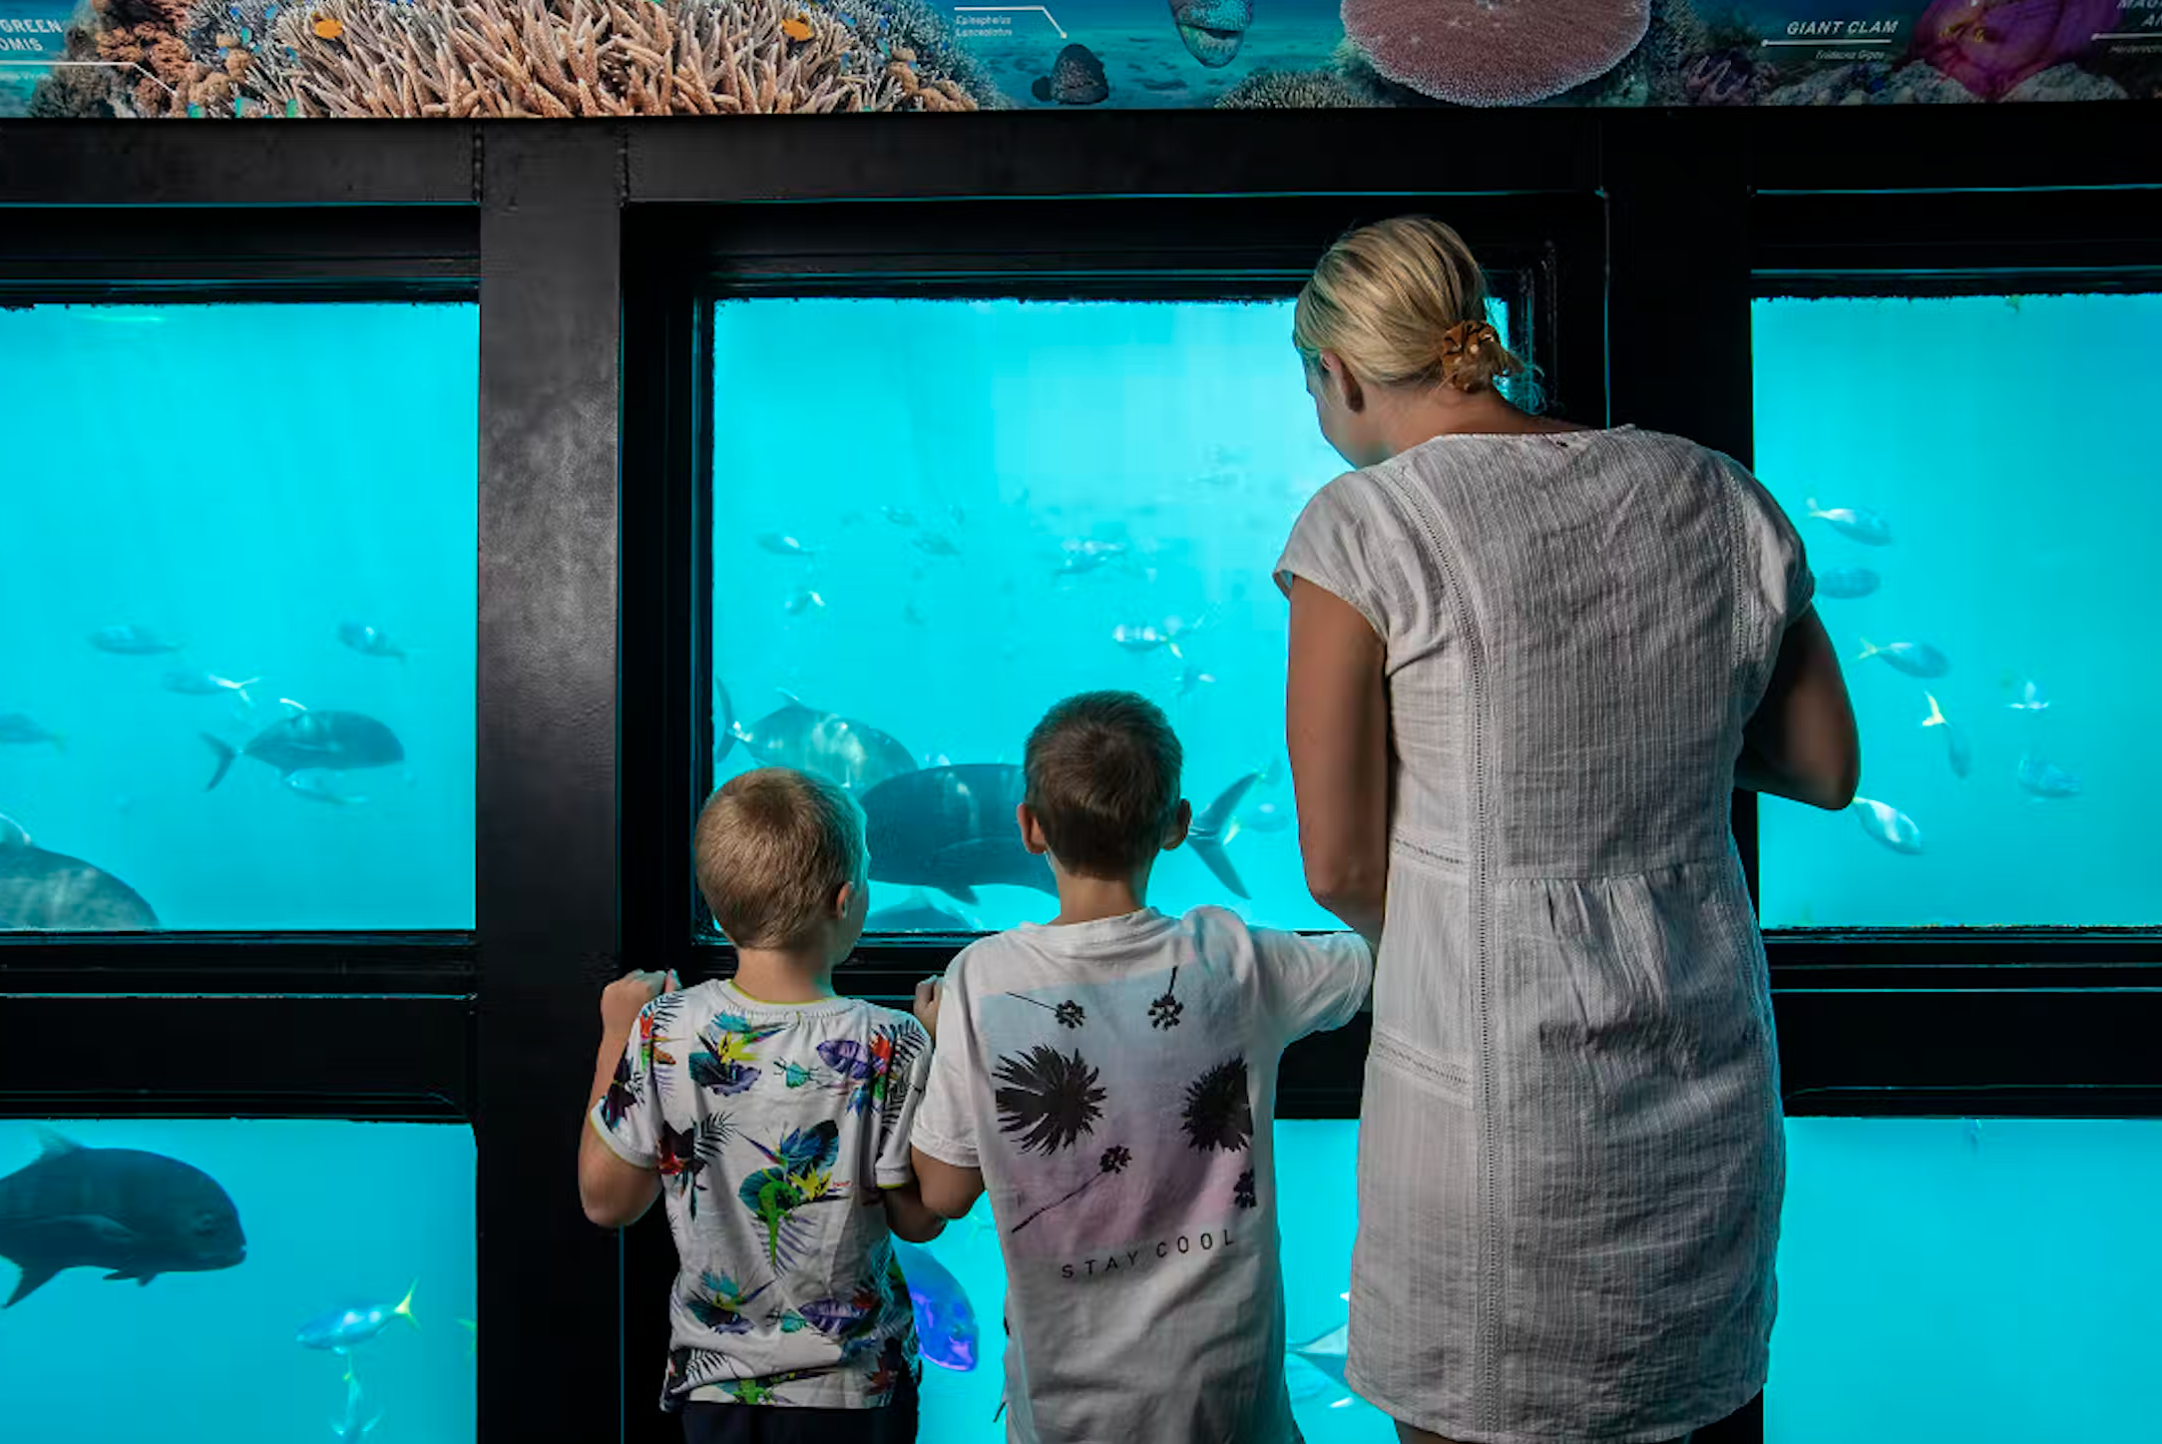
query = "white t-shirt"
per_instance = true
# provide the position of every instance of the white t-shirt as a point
(774, 1127)
(1116, 1083)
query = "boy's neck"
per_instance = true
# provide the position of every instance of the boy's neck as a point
(1092, 899)
(783, 975)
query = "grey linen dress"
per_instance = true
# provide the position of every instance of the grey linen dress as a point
(1570, 1151)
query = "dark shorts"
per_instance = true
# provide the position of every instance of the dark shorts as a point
(776, 1424)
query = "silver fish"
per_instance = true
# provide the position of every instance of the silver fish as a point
(801, 601)
(898, 515)
(2031, 698)
(18, 729)
(1956, 749)
(935, 544)
(2041, 778)
(1846, 583)
(1916, 659)
(1193, 679)
(1858, 523)
(352, 1429)
(369, 641)
(1078, 558)
(196, 682)
(131, 639)
(1268, 817)
(314, 741)
(854, 754)
(1888, 825)
(342, 1330)
(317, 787)
(783, 546)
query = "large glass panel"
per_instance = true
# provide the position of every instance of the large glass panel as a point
(1315, 1163)
(270, 1244)
(1966, 1279)
(238, 536)
(1006, 502)
(1981, 512)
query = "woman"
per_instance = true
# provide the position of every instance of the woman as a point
(1529, 662)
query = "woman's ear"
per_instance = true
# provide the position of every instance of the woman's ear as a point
(1347, 385)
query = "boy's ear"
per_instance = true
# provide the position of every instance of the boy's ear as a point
(844, 897)
(1032, 836)
(1182, 820)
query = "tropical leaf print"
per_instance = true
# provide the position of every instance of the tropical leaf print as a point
(1049, 1098)
(1218, 1113)
(866, 1070)
(723, 1076)
(802, 1175)
(720, 1307)
(622, 1094)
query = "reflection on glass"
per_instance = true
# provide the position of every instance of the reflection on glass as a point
(1966, 1279)
(1981, 521)
(1315, 1171)
(225, 567)
(259, 1249)
(989, 506)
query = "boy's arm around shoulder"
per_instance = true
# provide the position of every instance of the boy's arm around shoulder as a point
(948, 1190)
(900, 1186)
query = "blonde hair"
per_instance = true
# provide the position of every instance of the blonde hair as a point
(774, 845)
(1404, 303)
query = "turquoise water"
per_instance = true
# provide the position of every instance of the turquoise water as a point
(336, 1215)
(2023, 496)
(223, 478)
(1938, 1279)
(1000, 488)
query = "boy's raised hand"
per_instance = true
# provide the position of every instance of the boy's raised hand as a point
(926, 1006)
(623, 999)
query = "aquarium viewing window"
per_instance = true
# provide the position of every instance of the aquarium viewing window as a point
(1067, 496)
(239, 691)
(1980, 516)
(283, 1242)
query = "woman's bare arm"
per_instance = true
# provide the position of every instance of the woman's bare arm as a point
(1337, 723)
(1802, 741)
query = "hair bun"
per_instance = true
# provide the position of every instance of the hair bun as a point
(1470, 355)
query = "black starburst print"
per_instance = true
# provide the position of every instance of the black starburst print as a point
(1164, 1012)
(1217, 1113)
(1069, 1013)
(1113, 1160)
(1242, 1192)
(1050, 1098)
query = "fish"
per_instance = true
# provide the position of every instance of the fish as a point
(1145, 637)
(342, 1330)
(1212, 30)
(795, 27)
(328, 28)
(840, 749)
(353, 1428)
(1888, 825)
(195, 682)
(1267, 817)
(2031, 698)
(1916, 659)
(1846, 583)
(44, 891)
(1956, 749)
(945, 1323)
(783, 546)
(316, 787)
(131, 639)
(898, 515)
(1077, 78)
(1214, 829)
(1192, 680)
(138, 1214)
(1857, 523)
(1079, 557)
(1326, 1352)
(913, 615)
(369, 641)
(922, 913)
(803, 600)
(935, 544)
(2041, 778)
(724, 724)
(952, 828)
(18, 729)
(313, 742)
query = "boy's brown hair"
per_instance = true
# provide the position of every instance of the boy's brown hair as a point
(1103, 781)
(773, 846)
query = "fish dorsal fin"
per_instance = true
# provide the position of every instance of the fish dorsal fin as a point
(297, 708)
(793, 700)
(54, 1144)
(13, 833)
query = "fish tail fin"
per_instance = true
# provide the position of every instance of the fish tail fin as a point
(240, 690)
(1812, 508)
(1869, 649)
(405, 1305)
(225, 754)
(1211, 852)
(1936, 717)
(1173, 649)
(1216, 817)
(37, 1272)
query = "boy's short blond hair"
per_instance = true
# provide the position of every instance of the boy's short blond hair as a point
(773, 846)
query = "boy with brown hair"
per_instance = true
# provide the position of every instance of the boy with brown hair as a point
(1110, 1080)
(774, 1118)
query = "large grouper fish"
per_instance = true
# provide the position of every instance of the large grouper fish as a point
(44, 891)
(953, 828)
(311, 741)
(1212, 30)
(138, 1214)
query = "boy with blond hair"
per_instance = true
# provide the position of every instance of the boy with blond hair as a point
(1110, 1080)
(774, 1117)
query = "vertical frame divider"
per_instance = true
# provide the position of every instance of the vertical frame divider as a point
(1678, 294)
(550, 1292)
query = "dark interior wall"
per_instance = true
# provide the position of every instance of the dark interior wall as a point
(564, 231)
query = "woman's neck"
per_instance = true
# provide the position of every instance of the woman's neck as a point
(1440, 411)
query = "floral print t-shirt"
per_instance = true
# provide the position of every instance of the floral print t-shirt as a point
(1116, 1083)
(774, 1127)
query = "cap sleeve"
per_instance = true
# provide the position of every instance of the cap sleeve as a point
(1775, 555)
(1350, 543)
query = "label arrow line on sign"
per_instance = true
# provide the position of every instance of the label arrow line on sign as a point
(1015, 10)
